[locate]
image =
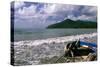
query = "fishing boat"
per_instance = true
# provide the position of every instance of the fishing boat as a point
(79, 50)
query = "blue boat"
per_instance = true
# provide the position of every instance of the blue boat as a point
(81, 48)
(92, 46)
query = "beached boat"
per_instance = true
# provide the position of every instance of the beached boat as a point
(84, 51)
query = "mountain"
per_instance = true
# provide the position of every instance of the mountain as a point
(74, 24)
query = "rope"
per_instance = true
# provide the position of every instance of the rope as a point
(59, 58)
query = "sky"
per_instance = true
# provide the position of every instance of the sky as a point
(40, 15)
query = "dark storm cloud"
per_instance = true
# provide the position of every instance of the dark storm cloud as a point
(41, 14)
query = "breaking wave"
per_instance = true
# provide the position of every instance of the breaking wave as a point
(34, 51)
(55, 40)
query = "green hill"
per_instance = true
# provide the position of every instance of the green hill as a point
(74, 24)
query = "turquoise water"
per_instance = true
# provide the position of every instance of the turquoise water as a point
(35, 34)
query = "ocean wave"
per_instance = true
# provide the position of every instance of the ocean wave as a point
(55, 40)
(34, 52)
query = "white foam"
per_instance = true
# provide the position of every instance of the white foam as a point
(55, 40)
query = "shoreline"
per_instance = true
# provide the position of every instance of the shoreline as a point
(26, 53)
(56, 40)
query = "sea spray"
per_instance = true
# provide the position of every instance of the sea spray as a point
(54, 40)
(35, 51)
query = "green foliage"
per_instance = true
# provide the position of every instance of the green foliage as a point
(74, 24)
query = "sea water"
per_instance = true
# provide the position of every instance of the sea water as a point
(33, 46)
(35, 34)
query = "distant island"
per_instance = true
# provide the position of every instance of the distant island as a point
(68, 23)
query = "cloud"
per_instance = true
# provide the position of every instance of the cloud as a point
(31, 10)
(48, 8)
(41, 15)
(84, 17)
(18, 4)
(89, 11)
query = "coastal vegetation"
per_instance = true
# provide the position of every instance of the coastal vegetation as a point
(74, 24)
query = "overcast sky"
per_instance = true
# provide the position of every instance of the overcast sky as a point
(40, 15)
